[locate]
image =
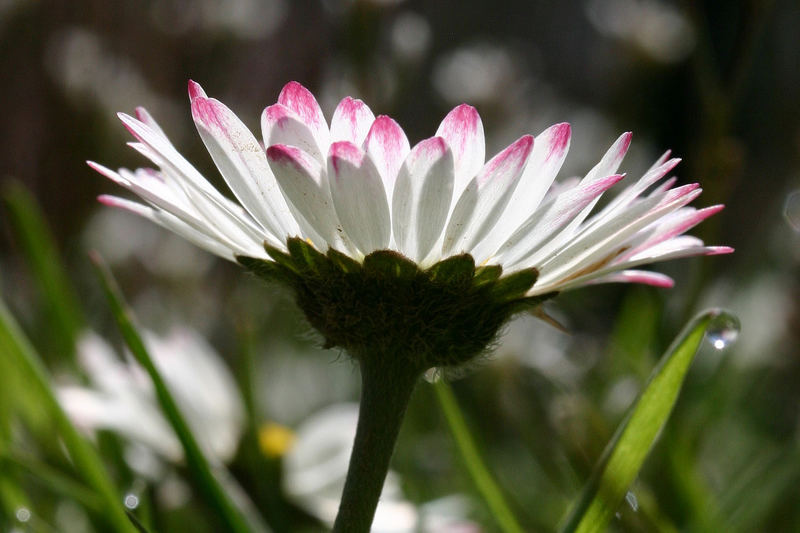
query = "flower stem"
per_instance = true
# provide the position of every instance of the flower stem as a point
(386, 390)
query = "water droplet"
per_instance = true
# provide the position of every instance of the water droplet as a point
(723, 330)
(632, 501)
(23, 514)
(131, 501)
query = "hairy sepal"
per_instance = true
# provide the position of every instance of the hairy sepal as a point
(386, 306)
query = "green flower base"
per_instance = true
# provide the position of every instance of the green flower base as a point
(438, 317)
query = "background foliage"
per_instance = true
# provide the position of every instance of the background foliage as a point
(718, 82)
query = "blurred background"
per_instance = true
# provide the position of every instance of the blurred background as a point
(716, 82)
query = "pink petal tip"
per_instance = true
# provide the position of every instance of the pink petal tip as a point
(301, 101)
(561, 136)
(195, 90)
(287, 155)
(719, 250)
(462, 118)
(345, 151)
(111, 201)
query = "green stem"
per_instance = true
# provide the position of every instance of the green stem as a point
(385, 391)
(477, 470)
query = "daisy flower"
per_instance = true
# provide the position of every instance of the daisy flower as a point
(357, 186)
(407, 257)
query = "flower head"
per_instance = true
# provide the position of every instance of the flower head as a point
(320, 205)
(409, 258)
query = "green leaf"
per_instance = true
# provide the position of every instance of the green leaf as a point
(41, 254)
(625, 454)
(16, 347)
(51, 479)
(206, 478)
(477, 469)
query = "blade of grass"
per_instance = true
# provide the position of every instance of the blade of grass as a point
(15, 346)
(12, 497)
(41, 254)
(53, 480)
(770, 475)
(206, 480)
(477, 469)
(625, 454)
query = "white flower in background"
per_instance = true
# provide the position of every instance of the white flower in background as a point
(316, 466)
(121, 396)
(357, 186)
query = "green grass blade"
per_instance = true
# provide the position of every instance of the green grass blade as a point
(15, 346)
(206, 480)
(41, 253)
(477, 469)
(625, 454)
(53, 480)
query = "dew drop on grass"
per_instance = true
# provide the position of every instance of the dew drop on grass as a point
(22, 514)
(632, 501)
(723, 330)
(131, 501)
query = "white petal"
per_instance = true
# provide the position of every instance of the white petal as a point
(644, 277)
(161, 149)
(463, 130)
(175, 225)
(679, 247)
(243, 164)
(302, 102)
(549, 151)
(663, 186)
(281, 125)
(226, 227)
(671, 226)
(145, 117)
(485, 197)
(422, 196)
(229, 224)
(607, 166)
(179, 190)
(611, 160)
(387, 146)
(676, 244)
(351, 121)
(151, 191)
(548, 219)
(596, 245)
(359, 197)
(305, 184)
(630, 193)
